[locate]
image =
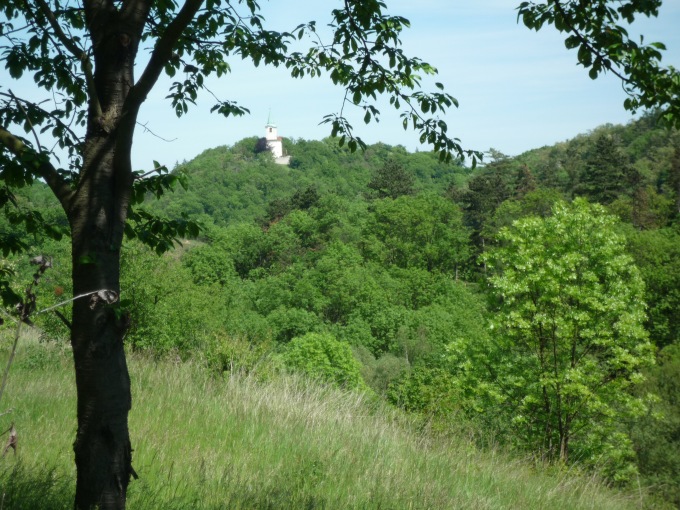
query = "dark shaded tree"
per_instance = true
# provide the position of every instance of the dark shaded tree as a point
(304, 199)
(300, 200)
(484, 194)
(391, 181)
(606, 173)
(261, 145)
(526, 182)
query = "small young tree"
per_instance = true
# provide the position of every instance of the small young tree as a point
(568, 330)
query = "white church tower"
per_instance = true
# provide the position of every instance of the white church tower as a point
(274, 141)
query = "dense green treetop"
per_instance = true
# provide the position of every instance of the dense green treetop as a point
(569, 338)
(232, 184)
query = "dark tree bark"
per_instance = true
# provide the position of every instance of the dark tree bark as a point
(96, 214)
(102, 445)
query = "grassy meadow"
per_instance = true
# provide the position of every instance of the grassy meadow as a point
(207, 442)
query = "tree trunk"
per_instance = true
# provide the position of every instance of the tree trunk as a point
(564, 448)
(565, 435)
(97, 211)
(102, 446)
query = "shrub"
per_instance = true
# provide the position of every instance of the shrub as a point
(430, 391)
(322, 356)
(237, 353)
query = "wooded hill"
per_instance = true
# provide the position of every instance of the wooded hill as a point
(395, 274)
(240, 183)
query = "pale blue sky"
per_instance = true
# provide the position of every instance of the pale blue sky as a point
(517, 89)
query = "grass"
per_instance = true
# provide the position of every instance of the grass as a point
(205, 442)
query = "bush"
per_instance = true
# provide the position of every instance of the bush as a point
(430, 391)
(321, 356)
(380, 373)
(167, 311)
(236, 353)
(287, 323)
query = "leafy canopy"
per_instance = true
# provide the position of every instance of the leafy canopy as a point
(321, 356)
(569, 333)
(597, 30)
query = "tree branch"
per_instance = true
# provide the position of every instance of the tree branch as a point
(162, 53)
(51, 115)
(63, 319)
(42, 168)
(584, 40)
(148, 130)
(68, 43)
(28, 119)
(79, 53)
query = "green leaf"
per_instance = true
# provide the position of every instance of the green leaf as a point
(87, 259)
(572, 41)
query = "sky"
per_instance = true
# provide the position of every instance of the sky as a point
(517, 89)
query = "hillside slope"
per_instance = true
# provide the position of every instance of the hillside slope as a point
(205, 443)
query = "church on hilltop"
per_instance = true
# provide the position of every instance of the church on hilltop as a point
(275, 143)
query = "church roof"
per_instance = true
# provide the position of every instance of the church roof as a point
(269, 121)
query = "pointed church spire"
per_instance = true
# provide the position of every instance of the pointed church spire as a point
(269, 120)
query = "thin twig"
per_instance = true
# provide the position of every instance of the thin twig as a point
(45, 112)
(63, 319)
(35, 135)
(146, 129)
(150, 172)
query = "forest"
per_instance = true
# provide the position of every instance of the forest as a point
(533, 301)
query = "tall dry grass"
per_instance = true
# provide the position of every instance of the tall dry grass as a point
(206, 442)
